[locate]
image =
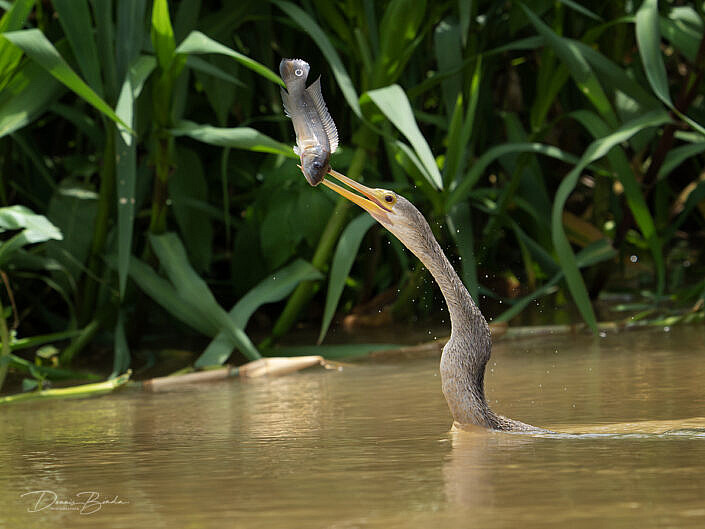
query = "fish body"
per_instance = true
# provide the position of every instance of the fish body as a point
(316, 135)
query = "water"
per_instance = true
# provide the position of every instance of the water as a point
(370, 446)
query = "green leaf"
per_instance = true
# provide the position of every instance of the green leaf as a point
(447, 47)
(129, 37)
(568, 51)
(239, 137)
(164, 293)
(459, 136)
(399, 34)
(592, 254)
(105, 44)
(30, 92)
(648, 38)
(462, 190)
(190, 286)
(343, 259)
(677, 156)
(580, 9)
(36, 228)
(13, 19)
(162, 34)
(71, 209)
(270, 290)
(38, 48)
(394, 104)
(198, 43)
(187, 183)
(314, 31)
(595, 150)
(126, 162)
(632, 191)
(460, 228)
(75, 18)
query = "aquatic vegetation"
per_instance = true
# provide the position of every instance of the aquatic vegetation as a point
(556, 148)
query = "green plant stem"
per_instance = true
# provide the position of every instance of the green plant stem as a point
(85, 390)
(5, 351)
(106, 205)
(304, 292)
(163, 166)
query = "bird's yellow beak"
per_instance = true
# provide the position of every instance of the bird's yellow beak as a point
(371, 201)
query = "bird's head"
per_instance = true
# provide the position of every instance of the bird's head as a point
(391, 210)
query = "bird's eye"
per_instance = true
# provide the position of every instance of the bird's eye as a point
(389, 198)
(298, 72)
(317, 164)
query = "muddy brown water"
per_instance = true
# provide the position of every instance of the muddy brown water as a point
(371, 446)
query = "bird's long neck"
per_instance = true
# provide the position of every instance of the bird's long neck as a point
(466, 354)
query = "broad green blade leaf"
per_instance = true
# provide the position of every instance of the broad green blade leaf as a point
(187, 183)
(164, 293)
(126, 163)
(460, 228)
(314, 31)
(190, 286)
(71, 209)
(632, 191)
(202, 66)
(129, 37)
(272, 289)
(343, 259)
(198, 43)
(684, 29)
(105, 43)
(459, 136)
(13, 19)
(580, 9)
(463, 189)
(648, 38)
(569, 53)
(162, 34)
(393, 103)
(677, 156)
(616, 77)
(596, 150)
(75, 18)
(30, 92)
(121, 358)
(239, 137)
(399, 34)
(37, 228)
(447, 47)
(38, 48)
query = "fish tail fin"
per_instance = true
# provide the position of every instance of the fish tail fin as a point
(293, 69)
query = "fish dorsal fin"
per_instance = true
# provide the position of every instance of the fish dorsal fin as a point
(328, 124)
(285, 100)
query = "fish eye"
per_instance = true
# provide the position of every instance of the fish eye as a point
(389, 198)
(298, 72)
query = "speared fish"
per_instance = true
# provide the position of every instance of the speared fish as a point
(316, 135)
